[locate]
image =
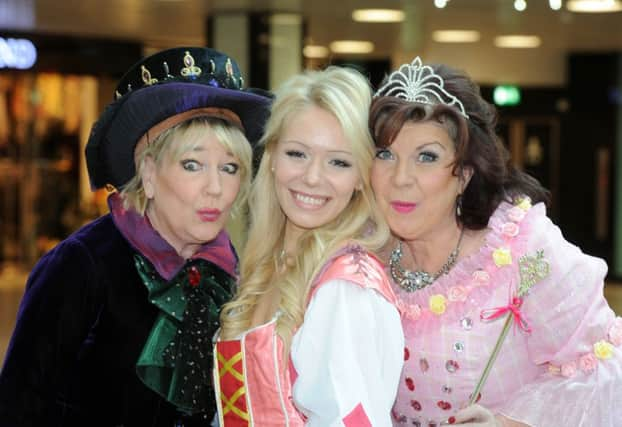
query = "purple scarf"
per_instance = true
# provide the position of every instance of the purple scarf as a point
(147, 241)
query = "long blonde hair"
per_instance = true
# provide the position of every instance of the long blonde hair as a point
(345, 94)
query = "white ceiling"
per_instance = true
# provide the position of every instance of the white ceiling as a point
(164, 23)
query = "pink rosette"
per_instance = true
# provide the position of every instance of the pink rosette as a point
(588, 363)
(615, 332)
(569, 369)
(510, 229)
(411, 311)
(480, 278)
(516, 214)
(457, 294)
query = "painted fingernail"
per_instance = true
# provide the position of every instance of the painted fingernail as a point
(451, 420)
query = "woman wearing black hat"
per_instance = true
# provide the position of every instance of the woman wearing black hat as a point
(115, 325)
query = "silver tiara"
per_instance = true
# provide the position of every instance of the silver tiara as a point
(416, 82)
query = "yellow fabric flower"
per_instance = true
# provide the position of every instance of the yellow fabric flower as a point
(603, 350)
(524, 203)
(502, 256)
(438, 304)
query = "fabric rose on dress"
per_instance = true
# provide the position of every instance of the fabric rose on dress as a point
(457, 294)
(516, 214)
(569, 369)
(509, 229)
(524, 203)
(502, 256)
(411, 311)
(615, 332)
(480, 277)
(588, 363)
(438, 304)
(603, 350)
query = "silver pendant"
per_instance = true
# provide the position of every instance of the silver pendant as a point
(412, 281)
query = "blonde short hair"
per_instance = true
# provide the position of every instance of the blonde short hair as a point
(182, 138)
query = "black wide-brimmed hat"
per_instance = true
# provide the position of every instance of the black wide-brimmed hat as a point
(181, 82)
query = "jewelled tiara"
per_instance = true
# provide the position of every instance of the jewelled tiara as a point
(416, 82)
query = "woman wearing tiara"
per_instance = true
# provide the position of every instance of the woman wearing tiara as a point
(313, 336)
(479, 269)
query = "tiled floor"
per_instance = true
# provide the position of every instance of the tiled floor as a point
(12, 282)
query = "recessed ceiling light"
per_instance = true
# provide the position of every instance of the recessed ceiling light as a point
(520, 5)
(517, 41)
(378, 15)
(440, 3)
(315, 51)
(351, 46)
(555, 4)
(455, 36)
(594, 6)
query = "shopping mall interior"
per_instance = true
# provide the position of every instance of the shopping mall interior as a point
(553, 67)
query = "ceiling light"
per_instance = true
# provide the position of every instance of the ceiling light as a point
(520, 5)
(351, 46)
(455, 36)
(594, 6)
(517, 41)
(378, 15)
(440, 3)
(555, 4)
(315, 51)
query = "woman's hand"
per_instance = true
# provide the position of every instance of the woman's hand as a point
(475, 416)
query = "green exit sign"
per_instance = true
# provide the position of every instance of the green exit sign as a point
(506, 95)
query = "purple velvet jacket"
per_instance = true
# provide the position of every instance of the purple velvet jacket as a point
(81, 326)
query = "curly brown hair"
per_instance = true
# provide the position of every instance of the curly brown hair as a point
(477, 145)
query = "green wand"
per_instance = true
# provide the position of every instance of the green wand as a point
(531, 269)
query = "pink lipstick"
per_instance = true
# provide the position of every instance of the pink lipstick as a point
(403, 207)
(209, 215)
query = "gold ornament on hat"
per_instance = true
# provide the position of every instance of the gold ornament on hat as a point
(166, 70)
(146, 76)
(229, 69)
(190, 70)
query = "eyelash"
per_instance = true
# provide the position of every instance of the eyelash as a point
(301, 155)
(341, 163)
(234, 166)
(186, 164)
(384, 154)
(424, 156)
(431, 157)
(295, 153)
(194, 166)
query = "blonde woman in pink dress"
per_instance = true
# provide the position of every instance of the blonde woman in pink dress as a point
(313, 336)
(473, 250)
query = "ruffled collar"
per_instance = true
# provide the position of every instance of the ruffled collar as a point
(140, 234)
(473, 279)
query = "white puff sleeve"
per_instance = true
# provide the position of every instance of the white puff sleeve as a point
(348, 355)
